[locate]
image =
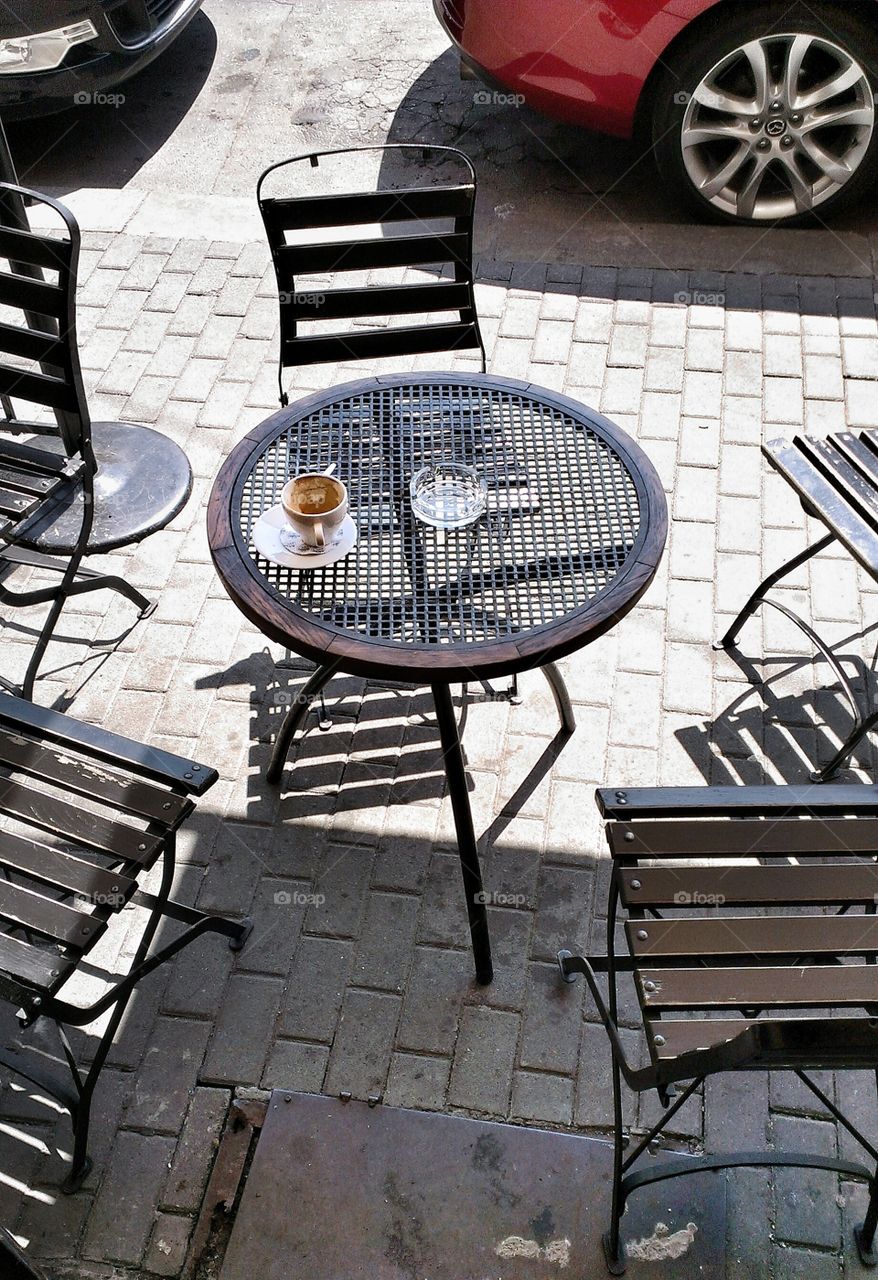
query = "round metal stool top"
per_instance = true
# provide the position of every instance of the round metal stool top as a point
(572, 536)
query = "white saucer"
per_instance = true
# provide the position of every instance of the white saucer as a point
(266, 539)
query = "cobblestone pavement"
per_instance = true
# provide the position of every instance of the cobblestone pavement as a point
(357, 976)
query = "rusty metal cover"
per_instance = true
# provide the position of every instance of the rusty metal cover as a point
(341, 1190)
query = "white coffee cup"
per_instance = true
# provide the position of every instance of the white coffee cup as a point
(315, 506)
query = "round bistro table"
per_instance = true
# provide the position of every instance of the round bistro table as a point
(571, 538)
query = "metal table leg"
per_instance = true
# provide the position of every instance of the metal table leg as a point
(295, 717)
(561, 696)
(466, 837)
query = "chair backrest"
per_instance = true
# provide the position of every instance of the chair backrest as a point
(39, 358)
(747, 905)
(402, 232)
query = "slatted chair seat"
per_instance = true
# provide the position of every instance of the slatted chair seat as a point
(752, 935)
(84, 817)
(836, 479)
(68, 487)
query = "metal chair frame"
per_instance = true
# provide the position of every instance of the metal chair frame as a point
(653, 848)
(387, 208)
(837, 482)
(58, 898)
(35, 480)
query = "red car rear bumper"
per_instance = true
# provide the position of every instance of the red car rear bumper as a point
(573, 59)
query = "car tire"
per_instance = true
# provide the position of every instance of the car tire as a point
(761, 119)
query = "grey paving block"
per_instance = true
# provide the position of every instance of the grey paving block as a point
(542, 1098)
(297, 1065)
(436, 987)
(552, 1021)
(315, 988)
(384, 952)
(593, 1108)
(193, 1158)
(168, 1074)
(481, 1077)
(168, 1245)
(125, 1209)
(417, 1081)
(807, 1208)
(563, 912)
(342, 881)
(242, 1037)
(363, 1044)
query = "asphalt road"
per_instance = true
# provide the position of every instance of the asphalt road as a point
(253, 80)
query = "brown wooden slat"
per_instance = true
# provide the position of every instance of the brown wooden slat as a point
(32, 295)
(62, 870)
(856, 533)
(685, 1035)
(17, 505)
(371, 344)
(403, 205)
(750, 886)
(856, 488)
(384, 300)
(770, 987)
(32, 965)
(753, 936)
(775, 802)
(27, 481)
(87, 778)
(50, 813)
(44, 915)
(35, 250)
(368, 255)
(743, 837)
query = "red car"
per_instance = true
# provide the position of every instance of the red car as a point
(756, 112)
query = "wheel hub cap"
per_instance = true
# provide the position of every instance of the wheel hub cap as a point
(778, 126)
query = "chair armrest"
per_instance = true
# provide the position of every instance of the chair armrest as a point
(742, 801)
(109, 748)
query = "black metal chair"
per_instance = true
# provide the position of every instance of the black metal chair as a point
(85, 816)
(14, 1263)
(736, 960)
(837, 482)
(402, 222)
(69, 488)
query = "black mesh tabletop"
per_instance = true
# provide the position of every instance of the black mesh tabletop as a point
(573, 532)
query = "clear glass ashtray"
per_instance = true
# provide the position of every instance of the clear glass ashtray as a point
(448, 495)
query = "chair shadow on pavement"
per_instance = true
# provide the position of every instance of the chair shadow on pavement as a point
(769, 733)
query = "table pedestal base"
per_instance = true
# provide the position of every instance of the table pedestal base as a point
(455, 772)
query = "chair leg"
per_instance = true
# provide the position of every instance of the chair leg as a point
(864, 1234)
(614, 1249)
(296, 717)
(759, 594)
(844, 751)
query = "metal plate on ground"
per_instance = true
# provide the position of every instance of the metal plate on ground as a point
(341, 1190)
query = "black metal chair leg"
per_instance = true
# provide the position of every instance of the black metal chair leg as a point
(561, 696)
(758, 595)
(295, 717)
(864, 1234)
(466, 837)
(845, 751)
(614, 1250)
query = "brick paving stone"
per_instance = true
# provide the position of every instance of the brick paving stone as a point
(122, 1219)
(360, 1057)
(542, 1098)
(552, 1018)
(168, 1074)
(482, 1073)
(562, 914)
(297, 1065)
(807, 1210)
(593, 1106)
(190, 1168)
(315, 988)
(386, 943)
(417, 1081)
(437, 985)
(170, 1241)
(242, 1035)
